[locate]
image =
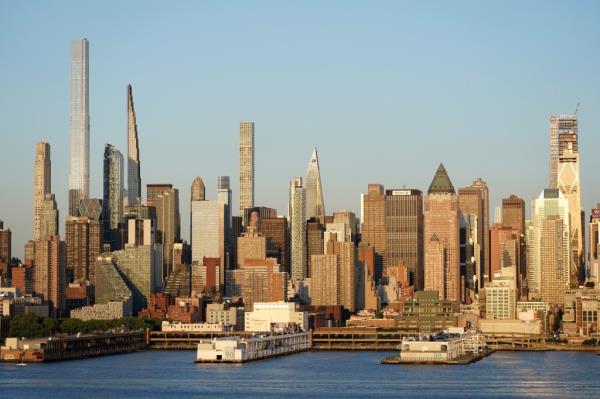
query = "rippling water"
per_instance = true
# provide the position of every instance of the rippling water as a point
(172, 374)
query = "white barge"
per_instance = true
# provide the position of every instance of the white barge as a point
(240, 350)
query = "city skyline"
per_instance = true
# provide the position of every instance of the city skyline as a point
(216, 133)
(448, 214)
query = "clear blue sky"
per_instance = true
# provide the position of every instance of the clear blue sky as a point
(385, 90)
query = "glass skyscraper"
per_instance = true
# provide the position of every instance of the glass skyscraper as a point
(79, 125)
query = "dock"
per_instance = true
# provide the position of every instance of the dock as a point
(257, 347)
(39, 350)
(468, 359)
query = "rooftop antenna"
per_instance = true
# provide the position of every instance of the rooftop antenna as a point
(577, 109)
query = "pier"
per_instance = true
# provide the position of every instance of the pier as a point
(241, 350)
(71, 347)
(358, 338)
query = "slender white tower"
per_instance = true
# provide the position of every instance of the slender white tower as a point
(79, 166)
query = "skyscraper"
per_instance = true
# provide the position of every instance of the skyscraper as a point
(513, 212)
(404, 232)
(83, 239)
(470, 205)
(513, 216)
(5, 251)
(154, 190)
(297, 222)
(246, 167)
(594, 244)
(553, 260)
(564, 175)
(333, 275)
(315, 233)
(315, 207)
(540, 256)
(48, 217)
(112, 203)
(208, 233)
(224, 197)
(373, 230)
(5, 242)
(251, 245)
(168, 225)
(505, 251)
(475, 200)
(79, 125)
(49, 271)
(139, 269)
(197, 189)
(42, 183)
(134, 180)
(278, 244)
(442, 263)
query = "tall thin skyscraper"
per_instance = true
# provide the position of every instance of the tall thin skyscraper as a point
(315, 206)
(246, 167)
(594, 244)
(42, 183)
(168, 224)
(224, 197)
(470, 204)
(373, 230)
(442, 238)
(564, 175)
(134, 180)
(113, 187)
(79, 174)
(481, 185)
(197, 193)
(297, 222)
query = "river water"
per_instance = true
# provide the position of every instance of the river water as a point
(173, 374)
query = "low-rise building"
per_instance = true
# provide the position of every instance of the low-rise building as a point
(11, 305)
(104, 311)
(442, 347)
(582, 311)
(501, 297)
(230, 316)
(192, 327)
(511, 328)
(275, 316)
(426, 313)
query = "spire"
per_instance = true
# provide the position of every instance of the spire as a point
(441, 182)
(134, 181)
(315, 206)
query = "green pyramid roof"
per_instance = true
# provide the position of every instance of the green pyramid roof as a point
(441, 182)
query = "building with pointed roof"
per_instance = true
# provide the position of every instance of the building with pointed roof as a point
(442, 238)
(134, 181)
(315, 206)
(441, 182)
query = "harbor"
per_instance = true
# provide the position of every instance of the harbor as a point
(246, 349)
